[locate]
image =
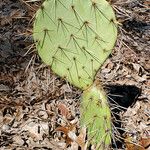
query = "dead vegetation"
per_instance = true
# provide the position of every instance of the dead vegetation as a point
(38, 110)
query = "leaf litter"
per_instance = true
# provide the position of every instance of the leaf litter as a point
(38, 110)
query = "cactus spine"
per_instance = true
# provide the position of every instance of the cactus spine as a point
(75, 37)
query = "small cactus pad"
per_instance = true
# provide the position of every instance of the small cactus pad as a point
(96, 116)
(75, 37)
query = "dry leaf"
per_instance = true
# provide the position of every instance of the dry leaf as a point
(8, 19)
(145, 142)
(63, 110)
(147, 3)
(81, 138)
(69, 131)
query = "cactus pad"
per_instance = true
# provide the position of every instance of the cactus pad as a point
(96, 116)
(75, 37)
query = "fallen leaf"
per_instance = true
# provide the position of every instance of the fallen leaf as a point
(64, 111)
(69, 131)
(145, 142)
(81, 138)
(139, 145)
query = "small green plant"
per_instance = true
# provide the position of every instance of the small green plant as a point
(75, 37)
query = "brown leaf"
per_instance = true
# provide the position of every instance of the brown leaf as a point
(67, 130)
(130, 145)
(142, 144)
(81, 138)
(62, 129)
(63, 110)
(147, 3)
(145, 142)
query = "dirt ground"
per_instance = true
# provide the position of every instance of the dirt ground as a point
(35, 104)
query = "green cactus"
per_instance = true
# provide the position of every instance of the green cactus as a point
(96, 116)
(75, 37)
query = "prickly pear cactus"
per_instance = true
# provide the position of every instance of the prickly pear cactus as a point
(95, 115)
(75, 37)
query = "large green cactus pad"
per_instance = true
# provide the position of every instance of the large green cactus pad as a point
(75, 37)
